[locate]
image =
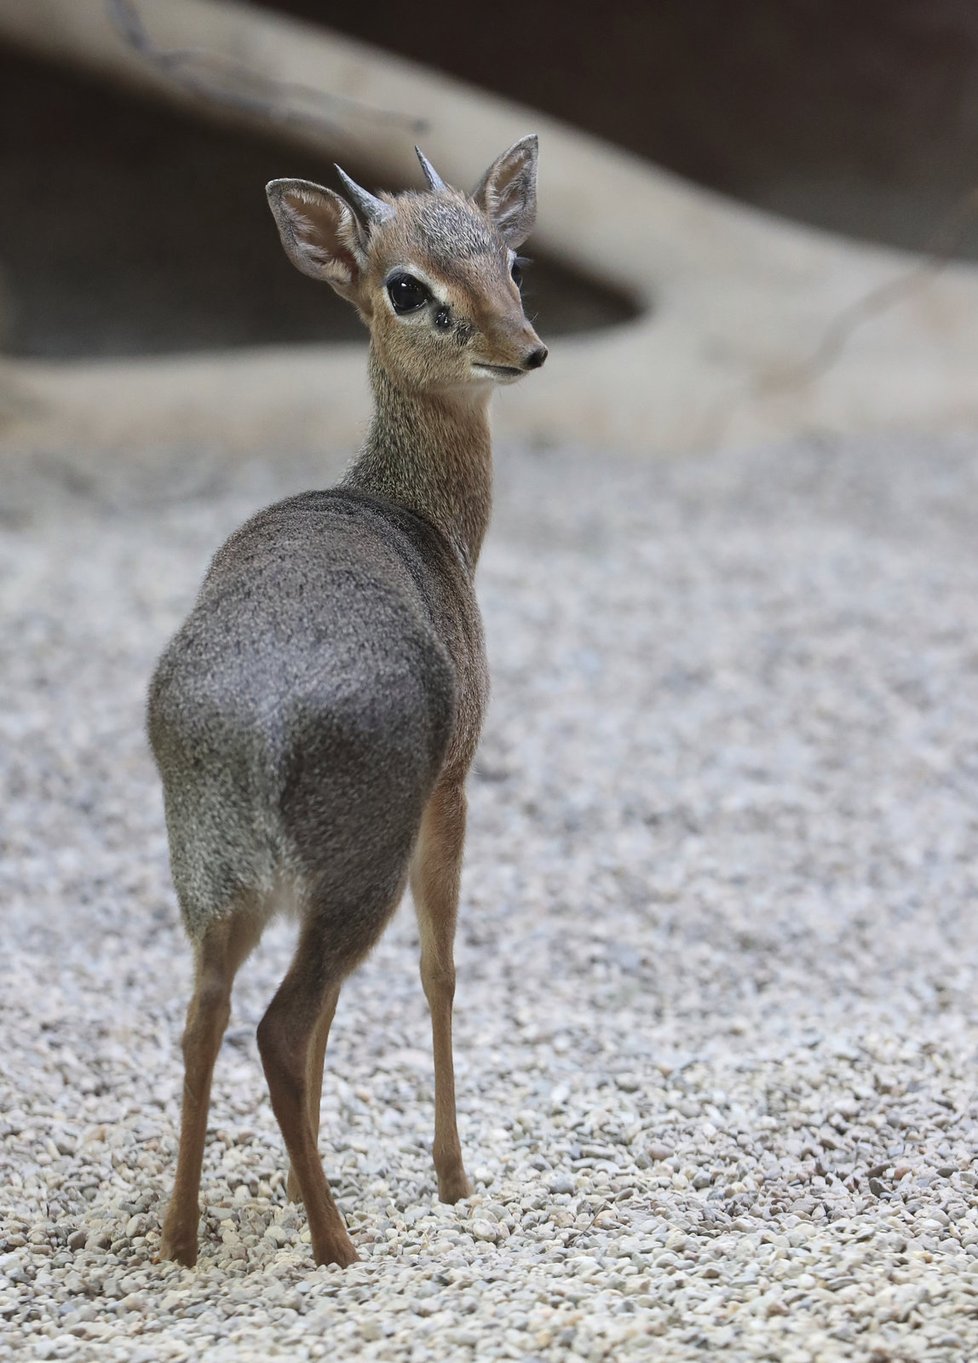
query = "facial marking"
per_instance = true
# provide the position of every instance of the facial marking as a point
(423, 277)
(466, 268)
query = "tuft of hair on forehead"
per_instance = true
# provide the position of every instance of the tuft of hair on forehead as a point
(448, 226)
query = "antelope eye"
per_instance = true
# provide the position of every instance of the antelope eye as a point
(406, 293)
(517, 273)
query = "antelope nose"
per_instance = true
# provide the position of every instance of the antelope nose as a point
(536, 357)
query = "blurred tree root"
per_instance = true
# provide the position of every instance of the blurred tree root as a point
(848, 321)
(217, 79)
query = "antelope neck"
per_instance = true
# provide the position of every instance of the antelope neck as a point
(432, 454)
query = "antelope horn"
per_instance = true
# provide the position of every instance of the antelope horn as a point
(435, 182)
(372, 209)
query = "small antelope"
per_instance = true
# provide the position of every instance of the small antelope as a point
(315, 718)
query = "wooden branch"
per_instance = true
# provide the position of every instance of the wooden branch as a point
(937, 256)
(221, 80)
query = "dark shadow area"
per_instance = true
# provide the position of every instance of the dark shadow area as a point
(130, 228)
(860, 118)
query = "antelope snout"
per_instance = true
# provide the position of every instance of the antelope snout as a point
(514, 350)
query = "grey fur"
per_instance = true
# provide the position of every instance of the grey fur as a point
(315, 717)
(332, 669)
(302, 714)
(452, 231)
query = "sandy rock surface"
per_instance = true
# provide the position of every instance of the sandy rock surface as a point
(717, 1018)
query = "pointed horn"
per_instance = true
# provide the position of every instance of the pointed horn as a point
(435, 182)
(372, 210)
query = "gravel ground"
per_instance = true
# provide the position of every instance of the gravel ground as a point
(716, 1021)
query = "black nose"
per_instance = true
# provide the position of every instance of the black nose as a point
(536, 357)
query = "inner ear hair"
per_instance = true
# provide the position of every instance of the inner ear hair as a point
(507, 193)
(319, 232)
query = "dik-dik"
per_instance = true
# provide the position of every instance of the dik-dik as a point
(315, 717)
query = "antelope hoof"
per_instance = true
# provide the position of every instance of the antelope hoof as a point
(340, 1252)
(454, 1187)
(179, 1245)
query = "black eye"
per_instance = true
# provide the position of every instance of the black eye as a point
(407, 293)
(517, 270)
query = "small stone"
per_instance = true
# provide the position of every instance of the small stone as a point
(714, 978)
(486, 1230)
(658, 1151)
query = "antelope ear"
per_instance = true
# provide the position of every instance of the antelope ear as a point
(320, 233)
(507, 193)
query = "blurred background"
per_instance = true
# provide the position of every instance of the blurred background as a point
(859, 119)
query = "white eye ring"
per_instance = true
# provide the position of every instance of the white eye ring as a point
(407, 294)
